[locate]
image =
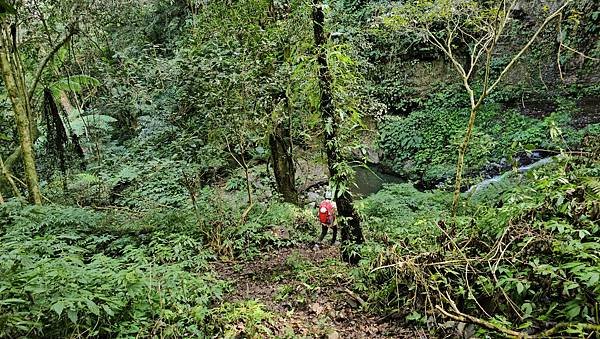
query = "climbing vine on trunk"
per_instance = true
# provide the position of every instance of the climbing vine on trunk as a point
(14, 81)
(349, 219)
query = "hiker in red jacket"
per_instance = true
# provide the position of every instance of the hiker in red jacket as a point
(327, 213)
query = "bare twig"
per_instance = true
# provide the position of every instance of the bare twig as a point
(579, 53)
(560, 45)
(551, 17)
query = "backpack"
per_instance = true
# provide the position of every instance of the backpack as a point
(325, 216)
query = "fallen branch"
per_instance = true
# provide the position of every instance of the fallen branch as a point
(465, 318)
(562, 326)
(437, 263)
(355, 296)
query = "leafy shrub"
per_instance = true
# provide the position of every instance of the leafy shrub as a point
(73, 271)
(247, 319)
(260, 232)
(527, 260)
(400, 212)
(419, 140)
(422, 146)
(62, 274)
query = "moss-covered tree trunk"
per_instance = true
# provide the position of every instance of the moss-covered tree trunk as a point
(1, 168)
(12, 74)
(349, 220)
(283, 163)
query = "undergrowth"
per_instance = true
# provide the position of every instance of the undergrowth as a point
(66, 272)
(69, 271)
(522, 262)
(422, 145)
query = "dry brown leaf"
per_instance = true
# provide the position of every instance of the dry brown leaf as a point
(317, 308)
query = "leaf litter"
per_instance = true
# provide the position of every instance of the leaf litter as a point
(309, 294)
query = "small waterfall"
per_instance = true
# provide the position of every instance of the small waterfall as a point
(501, 177)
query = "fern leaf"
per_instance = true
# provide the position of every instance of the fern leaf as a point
(593, 184)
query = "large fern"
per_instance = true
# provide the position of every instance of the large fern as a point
(74, 83)
(592, 185)
(592, 196)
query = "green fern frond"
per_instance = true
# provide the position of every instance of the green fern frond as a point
(593, 185)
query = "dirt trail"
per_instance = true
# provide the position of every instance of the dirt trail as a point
(308, 290)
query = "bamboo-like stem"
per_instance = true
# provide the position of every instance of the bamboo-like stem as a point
(9, 179)
(466, 318)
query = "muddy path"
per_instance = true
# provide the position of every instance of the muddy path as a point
(309, 292)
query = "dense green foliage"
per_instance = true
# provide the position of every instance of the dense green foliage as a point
(156, 171)
(528, 256)
(71, 271)
(420, 146)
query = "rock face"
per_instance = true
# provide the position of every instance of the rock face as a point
(312, 180)
(371, 154)
(313, 197)
(308, 173)
(589, 112)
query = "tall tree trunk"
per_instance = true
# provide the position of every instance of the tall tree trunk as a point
(460, 163)
(347, 216)
(1, 169)
(283, 162)
(12, 73)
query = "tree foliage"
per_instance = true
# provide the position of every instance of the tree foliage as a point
(168, 137)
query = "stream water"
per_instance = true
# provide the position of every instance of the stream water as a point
(502, 176)
(371, 180)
